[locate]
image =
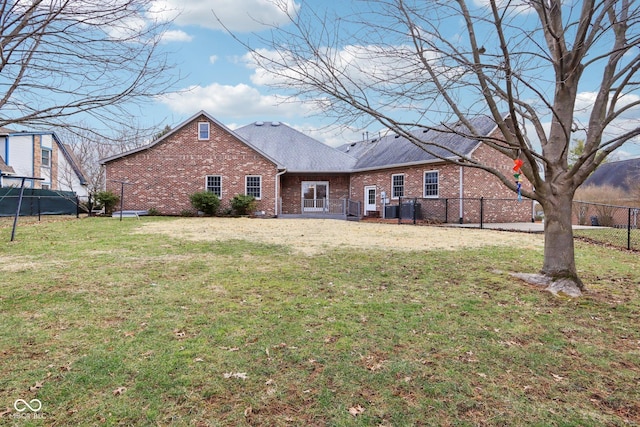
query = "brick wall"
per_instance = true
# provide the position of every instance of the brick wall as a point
(292, 189)
(164, 176)
(476, 184)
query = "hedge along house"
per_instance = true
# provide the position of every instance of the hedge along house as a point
(290, 173)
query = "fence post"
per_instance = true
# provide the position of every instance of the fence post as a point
(481, 212)
(39, 209)
(415, 215)
(628, 228)
(446, 210)
(399, 210)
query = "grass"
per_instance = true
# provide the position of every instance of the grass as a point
(108, 326)
(619, 237)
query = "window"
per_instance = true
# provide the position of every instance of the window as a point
(46, 187)
(46, 157)
(203, 131)
(214, 184)
(397, 186)
(253, 186)
(431, 184)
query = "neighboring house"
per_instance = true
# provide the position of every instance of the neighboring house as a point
(290, 173)
(623, 174)
(39, 155)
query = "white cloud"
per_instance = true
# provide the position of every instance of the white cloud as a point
(229, 101)
(176, 36)
(236, 15)
(213, 59)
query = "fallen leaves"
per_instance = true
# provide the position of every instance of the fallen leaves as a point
(239, 375)
(119, 391)
(356, 410)
(38, 385)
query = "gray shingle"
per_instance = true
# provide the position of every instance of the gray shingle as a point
(295, 150)
(622, 174)
(394, 150)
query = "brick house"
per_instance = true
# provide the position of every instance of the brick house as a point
(291, 173)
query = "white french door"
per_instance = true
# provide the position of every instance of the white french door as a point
(314, 195)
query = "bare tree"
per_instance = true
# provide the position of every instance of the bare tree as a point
(410, 63)
(66, 60)
(88, 149)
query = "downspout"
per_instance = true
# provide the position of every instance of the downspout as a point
(461, 207)
(278, 175)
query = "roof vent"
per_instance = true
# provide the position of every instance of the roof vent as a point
(397, 136)
(275, 123)
(259, 123)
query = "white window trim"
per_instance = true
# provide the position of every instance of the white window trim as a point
(393, 191)
(206, 184)
(208, 131)
(424, 177)
(50, 151)
(246, 186)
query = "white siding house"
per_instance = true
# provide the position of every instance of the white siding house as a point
(39, 155)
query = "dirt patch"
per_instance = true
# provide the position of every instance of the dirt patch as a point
(312, 236)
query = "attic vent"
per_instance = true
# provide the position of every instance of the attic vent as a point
(259, 123)
(275, 123)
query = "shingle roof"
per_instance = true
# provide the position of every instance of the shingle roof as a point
(295, 150)
(621, 174)
(395, 150)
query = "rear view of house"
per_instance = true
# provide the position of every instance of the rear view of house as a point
(290, 173)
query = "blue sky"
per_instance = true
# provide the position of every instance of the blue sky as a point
(218, 80)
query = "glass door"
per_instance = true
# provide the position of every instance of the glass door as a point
(314, 195)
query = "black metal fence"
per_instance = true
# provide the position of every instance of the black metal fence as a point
(461, 210)
(610, 224)
(36, 202)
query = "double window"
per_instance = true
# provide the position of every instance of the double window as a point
(214, 184)
(431, 179)
(397, 186)
(253, 186)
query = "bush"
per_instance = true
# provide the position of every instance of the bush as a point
(243, 204)
(106, 199)
(205, 201)
(153, 212)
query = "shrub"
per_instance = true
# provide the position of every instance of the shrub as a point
(205, 201)
(106, 199)
(243, 204)
(153, 212)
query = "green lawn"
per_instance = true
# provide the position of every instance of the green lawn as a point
(105, 325)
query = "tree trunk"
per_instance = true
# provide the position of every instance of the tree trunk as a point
(559, 261)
